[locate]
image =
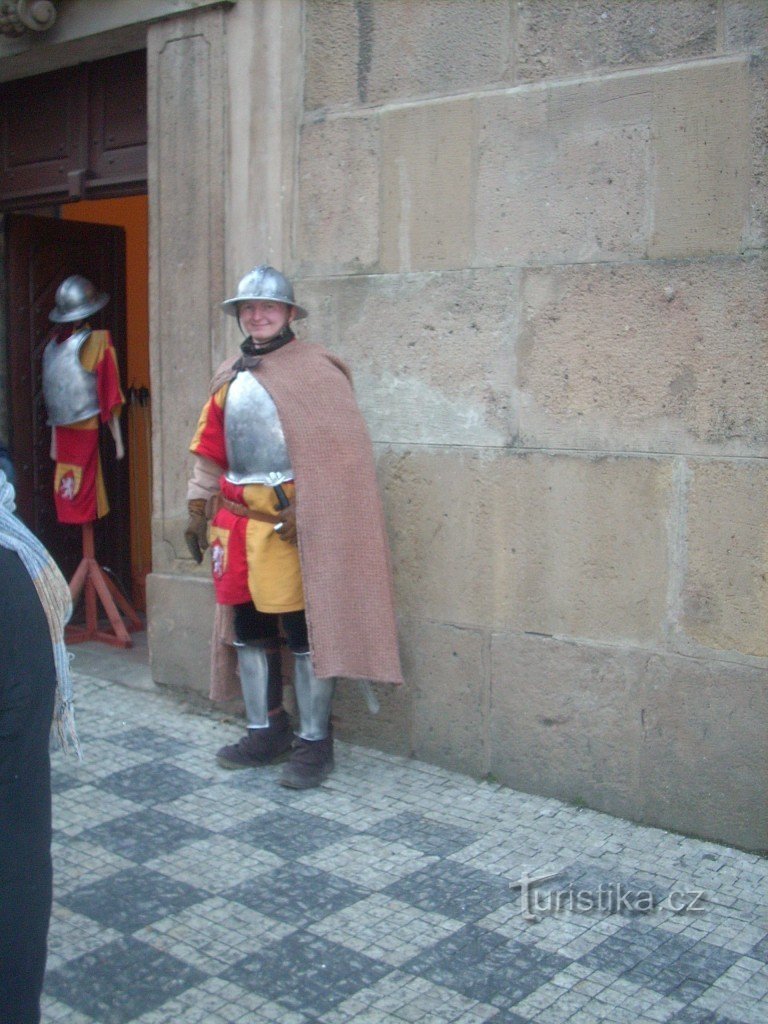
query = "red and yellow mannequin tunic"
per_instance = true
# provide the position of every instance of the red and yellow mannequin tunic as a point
(249, 561)
(78, 485)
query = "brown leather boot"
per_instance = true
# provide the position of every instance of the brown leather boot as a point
(310, 764)
(260, 747)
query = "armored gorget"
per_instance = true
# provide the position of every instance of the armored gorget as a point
(68, 388)
(256, 449)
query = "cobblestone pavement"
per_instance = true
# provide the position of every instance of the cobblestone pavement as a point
(186, 894)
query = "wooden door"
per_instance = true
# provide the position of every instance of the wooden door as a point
(40, 253)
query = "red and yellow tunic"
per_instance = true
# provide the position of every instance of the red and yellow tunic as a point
(78, 485)
(249, 561)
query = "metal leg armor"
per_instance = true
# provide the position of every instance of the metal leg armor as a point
(254, 665)
(269, 737)
(313, 697)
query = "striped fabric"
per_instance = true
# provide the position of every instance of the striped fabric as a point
(55, 598)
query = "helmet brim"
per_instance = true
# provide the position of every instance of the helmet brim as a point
(81, 312)
(229, 306)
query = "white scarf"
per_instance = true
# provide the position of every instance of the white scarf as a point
(55, 598)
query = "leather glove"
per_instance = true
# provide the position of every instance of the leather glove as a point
(196, 533)
(287, 517)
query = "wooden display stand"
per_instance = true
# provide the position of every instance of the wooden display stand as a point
(99, 586)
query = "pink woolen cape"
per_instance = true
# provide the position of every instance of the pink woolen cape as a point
(345, 561)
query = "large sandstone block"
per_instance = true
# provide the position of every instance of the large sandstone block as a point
(701, 159)
(387, 729)
(430, 353)
(372, 52)
(447, 668)
(664, 740)
(580, 545)
(442, 548)
(725, 595)
(563, 38)
(560, 545)
(561, 174)
(426, 187)
(757, 235)
(705, 757)
(186, 161)
(337, 226)
(652, 357)
(565, 721)
(746, 25)
(666, 151)
(180, 612)
(265, 80)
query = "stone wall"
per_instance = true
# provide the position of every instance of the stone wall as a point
(536, 230)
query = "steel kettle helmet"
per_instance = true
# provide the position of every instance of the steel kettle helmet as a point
(76, 298)
(268, 284)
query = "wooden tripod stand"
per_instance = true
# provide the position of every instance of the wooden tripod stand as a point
(99, 587)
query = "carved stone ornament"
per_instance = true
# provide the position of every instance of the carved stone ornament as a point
(20, 16)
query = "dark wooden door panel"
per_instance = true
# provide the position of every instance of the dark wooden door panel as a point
(40, 140)
(76, 133)
(117, 116)
(41, 252)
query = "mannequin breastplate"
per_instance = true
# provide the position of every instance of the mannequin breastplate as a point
(68, 388)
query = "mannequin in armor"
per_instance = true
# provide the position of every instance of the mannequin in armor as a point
(284, 465)
(81, 387)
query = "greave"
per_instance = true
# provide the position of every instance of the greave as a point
(313, 697)
(255, 666)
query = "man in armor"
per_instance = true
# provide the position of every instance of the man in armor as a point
(81, 387)
(284, 464)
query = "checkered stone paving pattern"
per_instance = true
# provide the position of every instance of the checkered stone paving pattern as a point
(398, 893)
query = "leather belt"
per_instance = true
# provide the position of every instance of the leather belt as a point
(243, 510)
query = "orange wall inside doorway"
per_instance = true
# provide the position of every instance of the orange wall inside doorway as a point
(132, 214)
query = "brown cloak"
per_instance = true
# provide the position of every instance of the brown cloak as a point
(343, 547)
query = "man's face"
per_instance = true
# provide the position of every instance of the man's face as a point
(264, 319)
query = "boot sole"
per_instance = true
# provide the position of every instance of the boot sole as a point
(294, 783)
(236, 766)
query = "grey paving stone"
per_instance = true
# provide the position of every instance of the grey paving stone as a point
(297, 894)
(453, 890)
(149, 741)
(760, 950)
(132, 899)
(431, 837)
(692, 1016)
(185, 894)
(62, 780)
(669, 964)
(151, 783)
(399, 998)
(141, 836)
(289, 832)
(307, 974)
(120, 981)
(486, 967)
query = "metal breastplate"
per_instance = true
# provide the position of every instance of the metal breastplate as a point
(68, 388)
(256, 449)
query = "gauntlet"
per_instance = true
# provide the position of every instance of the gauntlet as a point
(196, 533)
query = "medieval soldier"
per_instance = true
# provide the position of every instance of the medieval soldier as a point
(284, 464)
(81, 387)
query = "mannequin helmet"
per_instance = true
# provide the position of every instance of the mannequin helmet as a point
(76, 299)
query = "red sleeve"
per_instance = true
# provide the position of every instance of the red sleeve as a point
(209, 438)
(110, 394)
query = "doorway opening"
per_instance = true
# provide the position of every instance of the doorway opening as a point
(131, 214)
(73, 184)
